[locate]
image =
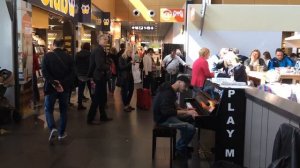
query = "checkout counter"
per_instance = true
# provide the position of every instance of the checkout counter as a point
(266, 110)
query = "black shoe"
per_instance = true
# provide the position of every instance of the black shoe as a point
(131, 108)
(106, 119)
(182, 155)
(81, 107)
(190, 149)
(127, 109)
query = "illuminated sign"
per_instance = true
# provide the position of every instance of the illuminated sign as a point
(65, 7)
(85, 9)
(171, 15)
(142, 27)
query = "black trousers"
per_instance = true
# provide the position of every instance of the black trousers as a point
(127, 91)
(99, 99)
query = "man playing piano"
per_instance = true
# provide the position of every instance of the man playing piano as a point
(167, 114)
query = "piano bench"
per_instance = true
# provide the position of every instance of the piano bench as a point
(166, 132)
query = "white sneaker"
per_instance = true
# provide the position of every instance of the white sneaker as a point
(61, 137)
(52, 135)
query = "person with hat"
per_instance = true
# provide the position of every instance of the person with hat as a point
(166, 113)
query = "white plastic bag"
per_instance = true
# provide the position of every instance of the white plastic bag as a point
(136, 73)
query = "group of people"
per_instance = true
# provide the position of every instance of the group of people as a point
(168, 113)
(97, 68)
(93, 69)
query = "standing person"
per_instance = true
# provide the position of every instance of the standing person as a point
(119, 55)
(58, 71)
(82, 62)
(200, 71)
(171, 65)
(35, 70)
(113, 57)
(147, 68)
(166, 113)
(254, 61)
(280, 60)
(98, 72)
(126, 78)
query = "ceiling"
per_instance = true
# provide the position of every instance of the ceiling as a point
(123, 10)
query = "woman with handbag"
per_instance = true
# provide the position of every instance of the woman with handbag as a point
(126, 78)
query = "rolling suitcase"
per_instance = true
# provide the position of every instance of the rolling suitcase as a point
(143, 99)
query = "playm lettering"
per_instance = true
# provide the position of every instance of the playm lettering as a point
(229, 153)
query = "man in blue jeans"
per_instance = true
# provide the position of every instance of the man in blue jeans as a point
(167, 114)
(58, 71)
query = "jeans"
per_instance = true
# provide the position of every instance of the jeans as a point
(112, 83)
(63, 106)
(81, 87)
(127, 91)
(196, 90)
(99, 99)
(186, 129)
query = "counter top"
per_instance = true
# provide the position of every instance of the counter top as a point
(275, 103)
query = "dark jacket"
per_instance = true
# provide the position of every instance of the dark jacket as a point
(164, 105)
(57, 65)
(82, 62)
(119, 55)
(99, 66)
(125, 70)
(260, 61)
(115, 59)
(286, 149)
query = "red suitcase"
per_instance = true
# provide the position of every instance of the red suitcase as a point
(143, 99)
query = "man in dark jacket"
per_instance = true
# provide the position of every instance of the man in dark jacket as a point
(166, 113)
(98, 71)
(82, 62)
(58, 71)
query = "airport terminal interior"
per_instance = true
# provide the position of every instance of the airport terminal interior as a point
(150, 84)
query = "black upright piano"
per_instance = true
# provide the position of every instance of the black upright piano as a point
(222, 109)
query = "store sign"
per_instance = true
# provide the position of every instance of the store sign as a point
(103, 21)
(84, 14)
(171, 15)
(64, 7)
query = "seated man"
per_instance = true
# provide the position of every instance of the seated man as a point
(280, 60)
(166, 113)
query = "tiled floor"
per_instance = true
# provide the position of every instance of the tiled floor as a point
(124, 142)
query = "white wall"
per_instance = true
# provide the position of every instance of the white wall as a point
(169, 36)
(244, 41)
(6, 56)
(174, 34)
(245, 27)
